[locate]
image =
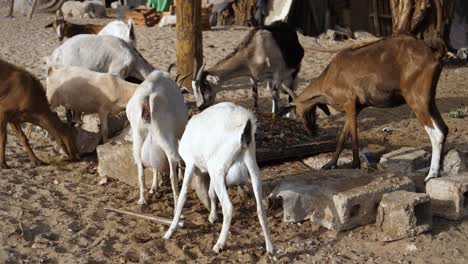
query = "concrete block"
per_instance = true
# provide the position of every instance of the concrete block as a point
(449, 196)
(338, 199)
(405, 160)
(115, 160)
(116, 123)
(316, 162)
(85, 141)
(404, 214)
(456, 160)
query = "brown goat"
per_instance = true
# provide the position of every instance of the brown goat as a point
(65, 29)
(23, 99)
(387, 73)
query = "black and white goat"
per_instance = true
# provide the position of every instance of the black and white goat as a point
(270, 53)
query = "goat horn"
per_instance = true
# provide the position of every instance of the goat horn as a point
(179, 82)
(195, 68)
(170, 67)
(184, 77)
(200, 72)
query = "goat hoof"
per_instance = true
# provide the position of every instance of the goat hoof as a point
(217, 248)
(4, 166)
(142, 201)
(329, 166)
(153, 191)
(39, 162)
(212, 219)
(429, 177)
(356, 166)
(168, 234)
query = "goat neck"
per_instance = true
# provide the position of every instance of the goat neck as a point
(62, 133)
(232, 66)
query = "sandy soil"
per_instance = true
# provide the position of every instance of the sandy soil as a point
(54, 213)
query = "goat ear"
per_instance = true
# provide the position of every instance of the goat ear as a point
(324, 108)
(49, 25)
(212, 79)
(49, 69)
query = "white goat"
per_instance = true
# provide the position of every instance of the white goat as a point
(220, 141)
(157, 115)
(85, 91)
(102, 54)
(118, 28)
(86, 9)
(166, 21)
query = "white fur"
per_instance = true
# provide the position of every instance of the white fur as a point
(212, 142)
(102, 54)
(167, 21)
(155, 144)
(118, 28)
(437, 138)
(91, 9)
(85, 91)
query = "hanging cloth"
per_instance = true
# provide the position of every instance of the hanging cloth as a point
(160, 5)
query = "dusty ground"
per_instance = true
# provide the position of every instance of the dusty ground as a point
(54, 214)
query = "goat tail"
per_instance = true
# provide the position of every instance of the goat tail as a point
(247, 134)
(354, 45)
(147, 107)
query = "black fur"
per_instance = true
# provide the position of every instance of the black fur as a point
(288, 42)
(246, 137)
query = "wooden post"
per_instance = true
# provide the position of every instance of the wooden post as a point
(376, 18)
(189, 37)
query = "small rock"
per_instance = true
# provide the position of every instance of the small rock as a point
(142, 237)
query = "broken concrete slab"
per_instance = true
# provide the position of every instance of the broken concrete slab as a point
(338, 199)
(316, 162)
(449, 196)
(404, 160)
(404, 214)
(85, 141)
(116, 123)
(115, 160)
(456, 160)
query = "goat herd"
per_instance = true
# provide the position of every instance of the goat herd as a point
(87, 73)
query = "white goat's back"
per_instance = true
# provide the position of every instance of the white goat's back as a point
(213, 134)
(120, 29)
(95, 53)
(169, 114)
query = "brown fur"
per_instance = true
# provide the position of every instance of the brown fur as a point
(23, 99)
(69, 29)
(388, 73)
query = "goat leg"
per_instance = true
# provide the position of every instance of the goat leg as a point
(355, 142)
(211, 193)
(254, 92)
(219, 184)
(332, 164)
(103, 119)
(189, 171)
(24, 140)
(154, 185)
(3, 139)
(275, 98)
